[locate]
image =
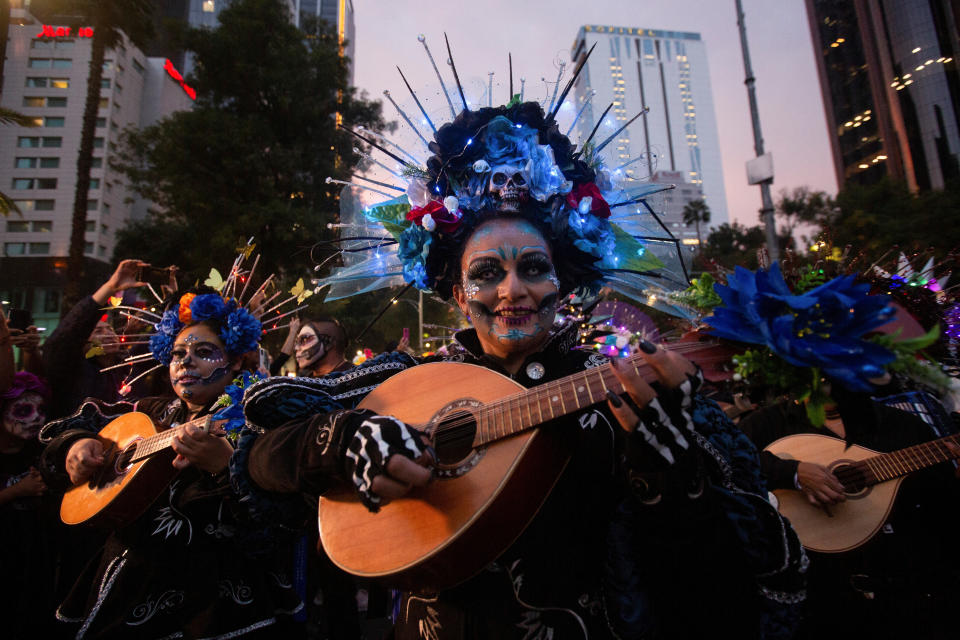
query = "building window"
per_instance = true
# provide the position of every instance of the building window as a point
(26, 142)
(51, 301)
(41, 44)
(105, 83)
(44, 205)
(39, 248)
(49, 163)
(25, 163)
(91, 226)
(54, 121)
(41, 226)
(105, 209)
(104, 103)
(98, 143)
(60, 83)
(137, 66)
(104, 229)
(119, 88)
(23, 183)
(88, 248)
(107, 65)
(62, 63)
(113, 126)
(101, 123)
(56, 102)
(46, 183)
(92, 205)
(14, 248)
(53, 142)
(38, 122)
(208, 6)
(101, 250)
(33, 101)
(17, 226)
(40, 63)
(96, 163)
(63, 44)
(36, 82)
(94, 183)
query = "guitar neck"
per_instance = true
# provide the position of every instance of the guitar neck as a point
(153, 445)
(895, 464)
(543, 403)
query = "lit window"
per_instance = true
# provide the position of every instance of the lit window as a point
(60, 83)
(208, 6)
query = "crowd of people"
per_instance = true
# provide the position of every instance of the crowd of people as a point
(650, 515)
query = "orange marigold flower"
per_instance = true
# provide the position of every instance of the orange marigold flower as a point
(184, 312)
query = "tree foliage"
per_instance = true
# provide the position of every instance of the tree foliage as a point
(696, 212)
(733, 244)
(252, 157)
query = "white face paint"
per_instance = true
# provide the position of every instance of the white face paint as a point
(23, 416)
(310, 348)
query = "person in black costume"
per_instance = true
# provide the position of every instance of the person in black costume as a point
(659, 513)
(180, 569)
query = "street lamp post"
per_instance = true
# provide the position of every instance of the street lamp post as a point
(759, 170)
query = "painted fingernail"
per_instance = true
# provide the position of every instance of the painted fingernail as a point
(614, 399)
(648, 347)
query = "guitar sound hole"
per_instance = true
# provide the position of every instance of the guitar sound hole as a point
(852, 477)
(125, 457)
(453, 437)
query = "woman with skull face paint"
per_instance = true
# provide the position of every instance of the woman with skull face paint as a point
(318, 346)
(29, 525)
(178, 569)
(657, 526)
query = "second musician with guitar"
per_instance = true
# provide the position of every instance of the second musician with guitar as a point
(177, 569)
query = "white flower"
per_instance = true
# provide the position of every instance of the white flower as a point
(428, 222)
(481, 166)
(451, 203)
(585, 203)
(417, 193)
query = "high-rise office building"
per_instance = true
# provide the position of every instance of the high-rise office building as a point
(45, 78)
(666, 71)
(891, 88)
(339, 15)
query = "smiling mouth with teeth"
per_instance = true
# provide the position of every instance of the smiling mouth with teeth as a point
(513, 316)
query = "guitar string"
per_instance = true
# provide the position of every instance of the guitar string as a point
(886, 466)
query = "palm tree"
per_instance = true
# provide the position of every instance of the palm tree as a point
(695, 212)
(8, 116)
(110, 19)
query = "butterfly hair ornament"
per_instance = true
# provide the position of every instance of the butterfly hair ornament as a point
(241, 319)
(507, 161)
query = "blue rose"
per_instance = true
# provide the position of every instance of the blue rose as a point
(594, 236)
(241, 332)
(161, 346)
(412, 251)
(543, 175)
(208, 306)
(821, 328)
(169, 323)
(507, 143)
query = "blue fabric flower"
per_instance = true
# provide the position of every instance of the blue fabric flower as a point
(208, 306)
(507, 143)
(232, 403)
(161, 342)
(821, 328)
(241, 332)
(594, 236)
(543, 175)
(412, 250)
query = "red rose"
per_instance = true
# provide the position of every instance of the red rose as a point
(447, 222)
(598, 206)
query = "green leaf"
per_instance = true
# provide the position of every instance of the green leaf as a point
(627, 245)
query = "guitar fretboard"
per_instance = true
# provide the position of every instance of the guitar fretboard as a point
(888, 466)
(157, 443)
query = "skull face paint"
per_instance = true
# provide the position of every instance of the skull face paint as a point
(23, 416)
(509, 187)
(199, 365)
(508, 287)
(310, 347)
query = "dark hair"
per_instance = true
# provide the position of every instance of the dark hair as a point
(339, 336)
(575, 268)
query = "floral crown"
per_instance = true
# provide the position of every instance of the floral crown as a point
(507, 160)
(239, 330)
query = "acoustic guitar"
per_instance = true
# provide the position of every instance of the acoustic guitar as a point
(494, 469)
(137, 468)
(870, 479)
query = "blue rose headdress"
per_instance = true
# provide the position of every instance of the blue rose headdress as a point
(502, 160)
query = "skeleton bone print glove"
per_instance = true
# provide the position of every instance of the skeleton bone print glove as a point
(375, 441)
(661, 452)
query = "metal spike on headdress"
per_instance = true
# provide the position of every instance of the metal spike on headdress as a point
(347, 183)
(375, 145)
(455, 76)
(443, 87)
(523, 82)
(417, 101)
(576, 118)
(573, 78)
(613, 135)
(643, 197)
(592, 133)
(367, 156)
(490, 89)
(385, 140)
(382, 184)
(405, 118)
(510, 65)
(556, 86)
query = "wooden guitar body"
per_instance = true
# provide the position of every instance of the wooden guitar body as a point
(480, 501)
(852, 522)
(123, 490)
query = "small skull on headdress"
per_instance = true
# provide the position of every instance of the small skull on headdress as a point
(508, 187)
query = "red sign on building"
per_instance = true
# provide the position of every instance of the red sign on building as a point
(46, 31)
(173, 73)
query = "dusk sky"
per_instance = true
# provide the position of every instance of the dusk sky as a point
(538, 32)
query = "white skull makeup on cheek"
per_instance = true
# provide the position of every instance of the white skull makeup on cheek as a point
(509, 187)
(198, 363)
(23, 416)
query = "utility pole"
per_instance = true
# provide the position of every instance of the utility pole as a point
(760, 169)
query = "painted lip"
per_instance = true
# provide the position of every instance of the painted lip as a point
(188, 380)
(514, 316)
